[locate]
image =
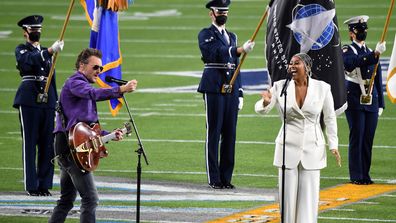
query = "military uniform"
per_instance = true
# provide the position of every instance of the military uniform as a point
(359, 62)
(220, 57)
(37, 119)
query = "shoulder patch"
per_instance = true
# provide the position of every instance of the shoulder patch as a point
(23, 51)
(345, 48)
(210, 39)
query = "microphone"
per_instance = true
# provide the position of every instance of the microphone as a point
(286, 84)
(289, 74)
(115, 80)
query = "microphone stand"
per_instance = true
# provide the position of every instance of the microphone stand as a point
(284, 93)
(140, 152)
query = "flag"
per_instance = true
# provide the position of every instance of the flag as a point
(308, 26)
(105, 37)
(391, 78)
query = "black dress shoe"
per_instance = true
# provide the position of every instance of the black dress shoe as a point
(362, 182)
(216, 185)
(45, 192)
(367, 182)
(229, 186)
(33, 193)
(357, 182)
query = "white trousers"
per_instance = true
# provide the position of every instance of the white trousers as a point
(301, 195)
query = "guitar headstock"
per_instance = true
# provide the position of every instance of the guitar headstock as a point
(128, 128)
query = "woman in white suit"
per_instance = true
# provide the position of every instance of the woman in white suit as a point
(305, 152)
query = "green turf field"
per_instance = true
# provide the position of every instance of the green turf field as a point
(172, 125)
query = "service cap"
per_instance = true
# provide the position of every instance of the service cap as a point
(357, 22)
(218, 5)
(32, 21)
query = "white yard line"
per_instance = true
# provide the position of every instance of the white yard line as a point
(359, 219)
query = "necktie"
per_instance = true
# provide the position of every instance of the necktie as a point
(223, 35)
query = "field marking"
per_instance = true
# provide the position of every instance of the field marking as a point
(143, 56)
(122, 115)
(329, 199)
(98, 219)
(388, 181)
(192, 140)
(149, 41)
(357, 219)
(14, 204)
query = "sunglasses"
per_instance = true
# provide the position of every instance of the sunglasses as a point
(95, 67)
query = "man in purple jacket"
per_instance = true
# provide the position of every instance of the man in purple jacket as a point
(78, 104)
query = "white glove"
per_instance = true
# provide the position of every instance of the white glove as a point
(380, 48)
(380, 110)
(96, 21)
(240, 105)
(248, 46)
(57, 46)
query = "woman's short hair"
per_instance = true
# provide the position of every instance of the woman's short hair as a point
(86, 54)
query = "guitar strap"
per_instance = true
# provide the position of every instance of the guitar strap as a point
(59, 110)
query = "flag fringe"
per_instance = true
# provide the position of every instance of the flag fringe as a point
(115, 5)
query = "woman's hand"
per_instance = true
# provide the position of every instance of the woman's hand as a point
(337, 156)
(266, 96)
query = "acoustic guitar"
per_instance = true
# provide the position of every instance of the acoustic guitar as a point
(87, 145)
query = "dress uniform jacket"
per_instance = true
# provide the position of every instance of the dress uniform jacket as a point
(220, 60)
(34, 62)
(37, 119)
(363, 58)
(215, 50)
(305, 141)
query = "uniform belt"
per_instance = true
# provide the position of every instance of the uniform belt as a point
(356, 81)
(34, 78)
(229, 66)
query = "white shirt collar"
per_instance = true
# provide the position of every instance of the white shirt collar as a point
(220, 28)
(362, 44)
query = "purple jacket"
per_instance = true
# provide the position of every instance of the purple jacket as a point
(78, 99)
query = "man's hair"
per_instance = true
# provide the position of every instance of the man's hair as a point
(86, 54)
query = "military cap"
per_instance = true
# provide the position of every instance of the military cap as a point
(33, 21)
(357, 22)
(218, 5)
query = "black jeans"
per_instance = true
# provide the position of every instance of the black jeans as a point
(72, 179)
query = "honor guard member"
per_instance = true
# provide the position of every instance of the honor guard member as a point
(37, 118)
(220, 55)
(362, 117)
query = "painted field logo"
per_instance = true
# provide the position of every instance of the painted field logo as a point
(312, 26)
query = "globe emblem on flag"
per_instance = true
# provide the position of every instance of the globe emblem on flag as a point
(328, 32)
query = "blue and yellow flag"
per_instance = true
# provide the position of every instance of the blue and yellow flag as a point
(105, 37)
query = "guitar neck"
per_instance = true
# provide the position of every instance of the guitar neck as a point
(112, 135)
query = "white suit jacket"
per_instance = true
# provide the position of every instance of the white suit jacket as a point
(305, 141)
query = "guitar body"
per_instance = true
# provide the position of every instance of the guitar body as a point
(86, 146)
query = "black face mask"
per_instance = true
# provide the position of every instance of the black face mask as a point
(361, 35)
(34, 36)
(221, 20)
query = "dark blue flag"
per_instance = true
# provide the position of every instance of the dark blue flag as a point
(308, 26)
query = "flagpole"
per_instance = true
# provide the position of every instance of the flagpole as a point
(245, 54)
(367, 99)
(44, 97)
